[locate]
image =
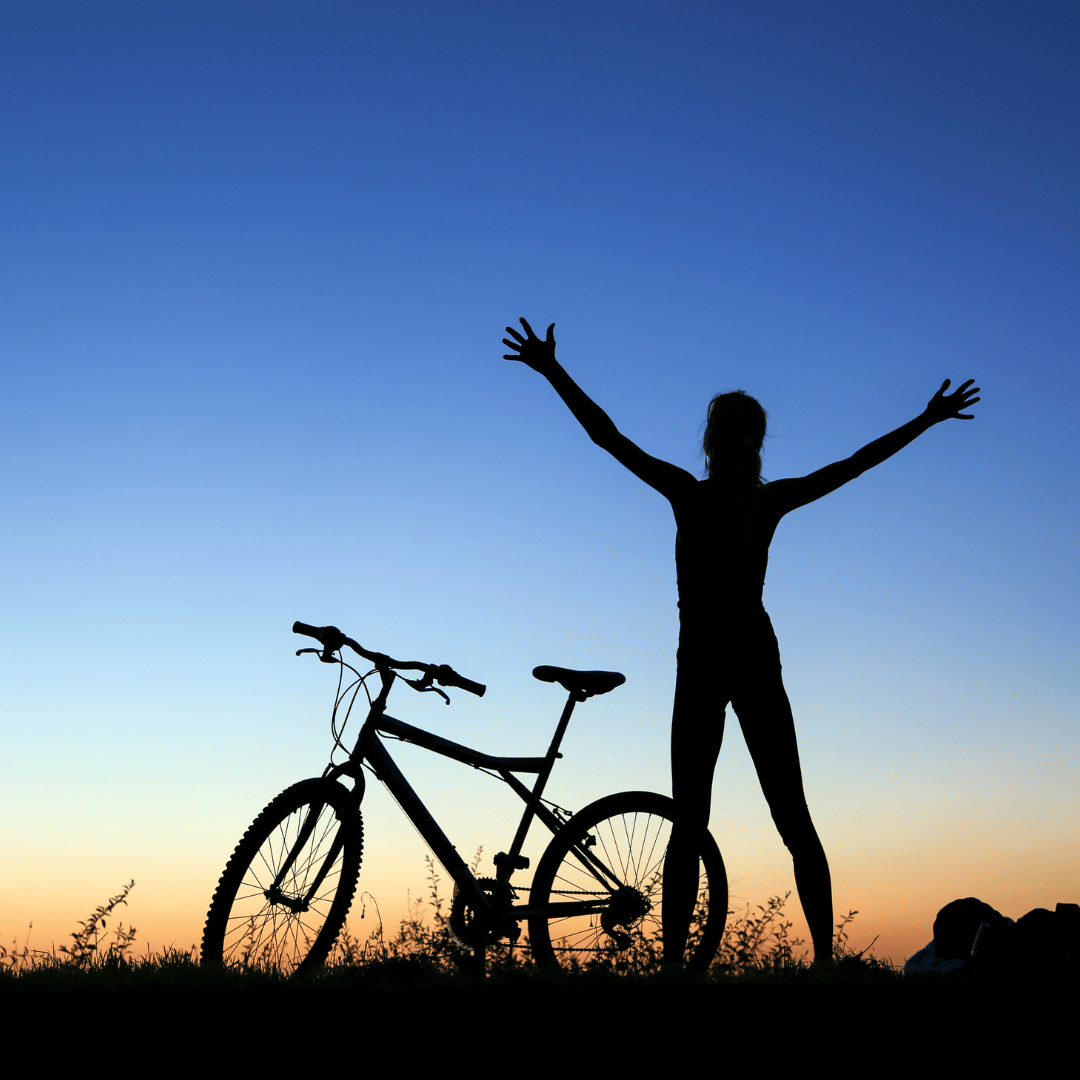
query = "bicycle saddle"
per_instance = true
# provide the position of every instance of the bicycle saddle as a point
(582, 683)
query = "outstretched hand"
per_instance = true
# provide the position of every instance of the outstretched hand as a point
(944, 406)
(531, 351)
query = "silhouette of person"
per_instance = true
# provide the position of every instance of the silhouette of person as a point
(727, 648)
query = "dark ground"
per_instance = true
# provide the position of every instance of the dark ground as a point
(868, 1020)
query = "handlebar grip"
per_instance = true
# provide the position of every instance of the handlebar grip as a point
(447, 676)
(473, 687)
(329, 637)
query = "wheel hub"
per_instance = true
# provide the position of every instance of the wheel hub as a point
(627, 907)
(294, 903)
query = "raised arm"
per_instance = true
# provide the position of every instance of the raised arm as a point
(540, 356)
(941, 406)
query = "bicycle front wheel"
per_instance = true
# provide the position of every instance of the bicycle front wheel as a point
(599, 889)
(283, 897)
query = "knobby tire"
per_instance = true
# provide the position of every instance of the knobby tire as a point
(251, 926)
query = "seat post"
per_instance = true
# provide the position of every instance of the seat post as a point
(560, 730)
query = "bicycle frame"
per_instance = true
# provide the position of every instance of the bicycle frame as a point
(369, 748)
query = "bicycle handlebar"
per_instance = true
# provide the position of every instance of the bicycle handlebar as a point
(332, 639)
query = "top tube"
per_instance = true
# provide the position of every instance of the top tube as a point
(456, 751)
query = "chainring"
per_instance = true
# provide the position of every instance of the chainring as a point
(475, 930)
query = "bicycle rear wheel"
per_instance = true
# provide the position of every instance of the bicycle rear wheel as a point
(284, 895)
(599, 888)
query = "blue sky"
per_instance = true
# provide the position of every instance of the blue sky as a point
(257, 261)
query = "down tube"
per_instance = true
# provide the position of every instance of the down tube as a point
(426, 825)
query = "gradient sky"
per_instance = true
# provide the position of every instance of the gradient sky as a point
(256, 263)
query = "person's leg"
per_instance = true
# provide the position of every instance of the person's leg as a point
(769, 728)
(697, 730)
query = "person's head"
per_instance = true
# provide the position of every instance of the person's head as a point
(734, 435)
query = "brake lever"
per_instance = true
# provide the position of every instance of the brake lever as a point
(423, 686)
(325, 655)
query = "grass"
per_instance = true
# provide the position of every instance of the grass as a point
(758, 942)
(395, 986)
(757, 946)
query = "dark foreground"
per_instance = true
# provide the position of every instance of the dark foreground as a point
(410, 1009)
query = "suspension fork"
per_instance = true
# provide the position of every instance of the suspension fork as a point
(351, 806)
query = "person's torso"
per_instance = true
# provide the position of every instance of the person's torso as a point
(722, 551)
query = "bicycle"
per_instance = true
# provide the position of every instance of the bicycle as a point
(596, 895)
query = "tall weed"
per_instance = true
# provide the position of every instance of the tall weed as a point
(91, 945)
